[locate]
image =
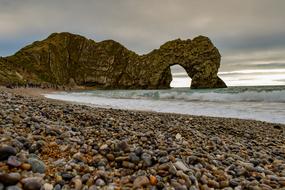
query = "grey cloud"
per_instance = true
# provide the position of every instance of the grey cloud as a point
(235, 27)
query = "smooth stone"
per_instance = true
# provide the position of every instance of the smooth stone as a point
(6, 152)
(100, 182)
(224, 184)
(127, 164)
(10, 179)
(164, 166)
(14, 187)
(47, 186)
(138, 151)
(67, 176)
(110, 157)
(172, 169)
(14, 161)
(214, 184)
(124, 146)
(85, 178)
(77, 183)
(32, 183)
(26, 166)
(78, 156)
(181, 166)
(104, 147)
(57, 187)
(153, 180)
(234, 182)
(134, 158)
(141, 181)
(163, 159)
(147, 159)
(37, 165)
(93, 187)
(59, 162)
(144, 139)
(178, 136)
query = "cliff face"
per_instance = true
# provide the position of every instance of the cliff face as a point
(68, 59)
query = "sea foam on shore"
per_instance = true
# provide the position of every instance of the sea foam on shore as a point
(258, 103)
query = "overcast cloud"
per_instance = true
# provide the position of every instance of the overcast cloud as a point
(248, 33)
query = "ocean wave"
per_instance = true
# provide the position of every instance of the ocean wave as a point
(218, 95)
(248, 96)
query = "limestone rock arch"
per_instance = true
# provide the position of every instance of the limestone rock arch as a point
(65, 57)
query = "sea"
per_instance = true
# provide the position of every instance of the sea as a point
(264, 103)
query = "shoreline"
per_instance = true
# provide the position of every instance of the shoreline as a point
(66, 145)
(38, 93)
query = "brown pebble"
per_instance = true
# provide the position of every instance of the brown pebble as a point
(153, 180)
(26, 166)
(141, 181)
(110, 157)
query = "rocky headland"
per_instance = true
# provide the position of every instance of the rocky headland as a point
(47, 145)
(65, 59)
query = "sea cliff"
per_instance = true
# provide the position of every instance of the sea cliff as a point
(66, 59)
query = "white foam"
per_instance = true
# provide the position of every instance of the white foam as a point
(263, 110)
(248, 96)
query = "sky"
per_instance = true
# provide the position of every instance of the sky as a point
(250, 34)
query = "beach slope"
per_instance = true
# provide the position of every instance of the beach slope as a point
(47, 143)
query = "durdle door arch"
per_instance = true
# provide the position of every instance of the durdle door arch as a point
(67, 59)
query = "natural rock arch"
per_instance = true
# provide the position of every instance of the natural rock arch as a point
(65, 57)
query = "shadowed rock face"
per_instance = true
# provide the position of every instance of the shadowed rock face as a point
(68, 59)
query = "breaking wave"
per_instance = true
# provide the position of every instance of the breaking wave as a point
(259, 103)
(236, 94)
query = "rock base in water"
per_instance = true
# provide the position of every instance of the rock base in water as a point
(71, 60)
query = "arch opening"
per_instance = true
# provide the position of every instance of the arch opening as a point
(180, 78)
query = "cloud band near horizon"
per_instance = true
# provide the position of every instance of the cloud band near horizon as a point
(248, 33)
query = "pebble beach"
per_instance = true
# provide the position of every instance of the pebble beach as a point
(46, 145)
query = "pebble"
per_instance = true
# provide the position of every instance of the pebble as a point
(163, 159)
(78, 156)
(141, 181)
(153, 180)
(93, 187)
(104, 147)
(47, 186)
(57, 187)
(13, 187)
(100, 182)
(178, 136)
(14, 161)
(124, 146)
(181, 166)
(32, 185)
(67, 176)
(6, 152)
(85, 178)
(172, 169)
(37, 165)
(77, 183)
(10, 178)
(147, 159)
(138, 151)
(127, 164)
(78, 147)
(134, 158)
(26, 166)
